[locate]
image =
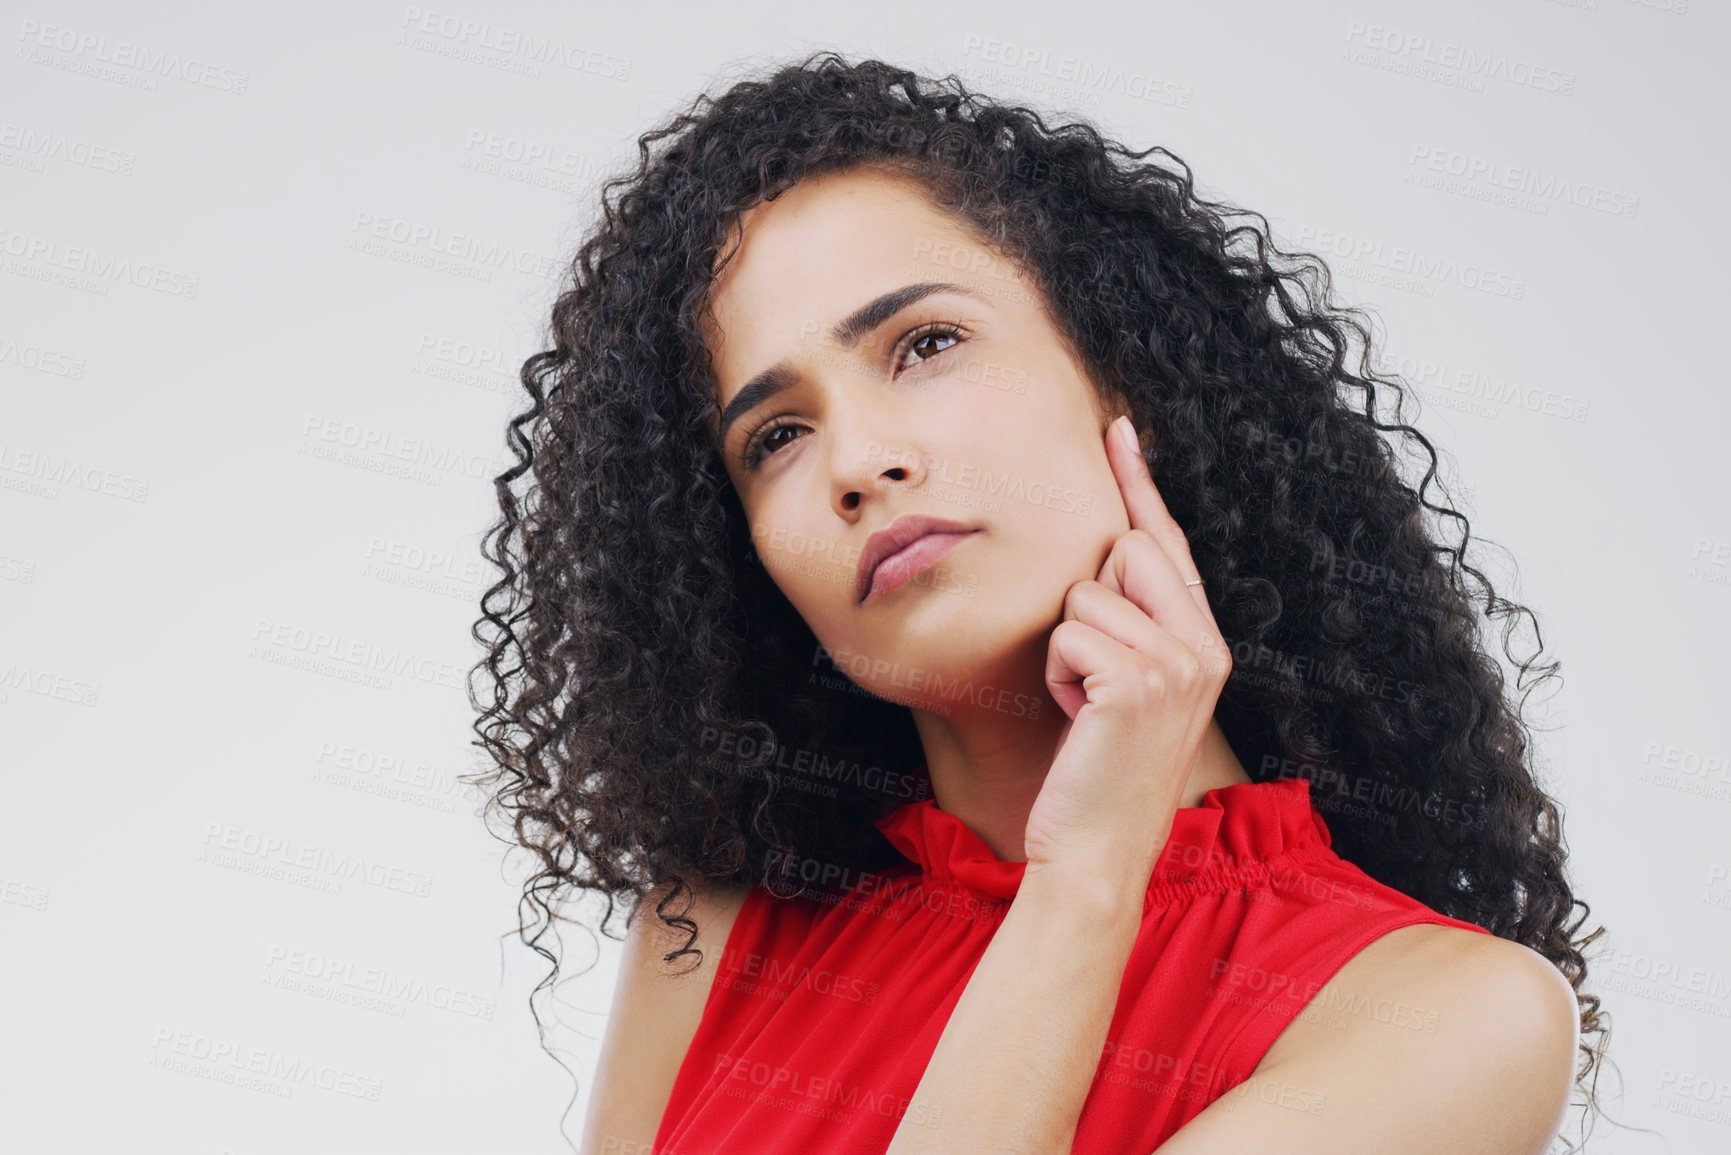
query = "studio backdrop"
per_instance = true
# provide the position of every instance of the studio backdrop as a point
(270, 275)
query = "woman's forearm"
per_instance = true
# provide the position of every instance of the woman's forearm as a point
(1016, 1059)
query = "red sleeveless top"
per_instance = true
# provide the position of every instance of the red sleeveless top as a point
(824, 1015)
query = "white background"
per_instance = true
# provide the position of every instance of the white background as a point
(169, 502)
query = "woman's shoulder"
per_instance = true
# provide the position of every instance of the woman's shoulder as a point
(1473, 1014)
(712, 906)
(673, 991)
(1445, 1040)
(657, 1006)
(1395, 968)
(1460, 972)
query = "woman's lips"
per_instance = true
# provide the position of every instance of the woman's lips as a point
(912, 558)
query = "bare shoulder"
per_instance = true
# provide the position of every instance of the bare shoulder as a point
(656, 1007)
(1431, 1039)
(713, 908)
(1484, 1024)
(1436, 980)
(1474, 980)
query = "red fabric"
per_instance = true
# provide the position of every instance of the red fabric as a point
(823, 1017)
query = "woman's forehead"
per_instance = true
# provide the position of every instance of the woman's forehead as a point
(819, 247)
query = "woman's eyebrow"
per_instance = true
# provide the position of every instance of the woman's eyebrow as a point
(848, 332)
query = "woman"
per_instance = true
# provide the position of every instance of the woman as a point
(955, 573)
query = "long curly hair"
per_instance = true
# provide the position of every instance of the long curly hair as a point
(656, 713)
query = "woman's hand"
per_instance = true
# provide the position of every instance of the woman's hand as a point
(1137, 664)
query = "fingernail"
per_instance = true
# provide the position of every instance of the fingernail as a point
(1127, 434)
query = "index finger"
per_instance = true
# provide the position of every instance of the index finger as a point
(1147, 509)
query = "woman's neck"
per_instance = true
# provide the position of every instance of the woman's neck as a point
(987, 770)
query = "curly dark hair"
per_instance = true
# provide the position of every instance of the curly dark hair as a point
(645, 675)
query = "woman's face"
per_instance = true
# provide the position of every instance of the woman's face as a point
(883, 400)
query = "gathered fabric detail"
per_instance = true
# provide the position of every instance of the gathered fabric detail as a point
(1241, 835)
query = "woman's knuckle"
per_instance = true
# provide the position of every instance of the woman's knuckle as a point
(1187, 672)
(1215, 658)
(1131, 542)
(1079, 594)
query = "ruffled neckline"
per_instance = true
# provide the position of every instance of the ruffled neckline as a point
(1234, 833)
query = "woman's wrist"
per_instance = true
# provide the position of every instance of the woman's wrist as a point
(1105, 890)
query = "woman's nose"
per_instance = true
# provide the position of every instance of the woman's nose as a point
(869, 453)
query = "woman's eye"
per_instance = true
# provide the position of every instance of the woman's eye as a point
(925, 343)
(762, 444)
(768, 442)
(923, 346)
